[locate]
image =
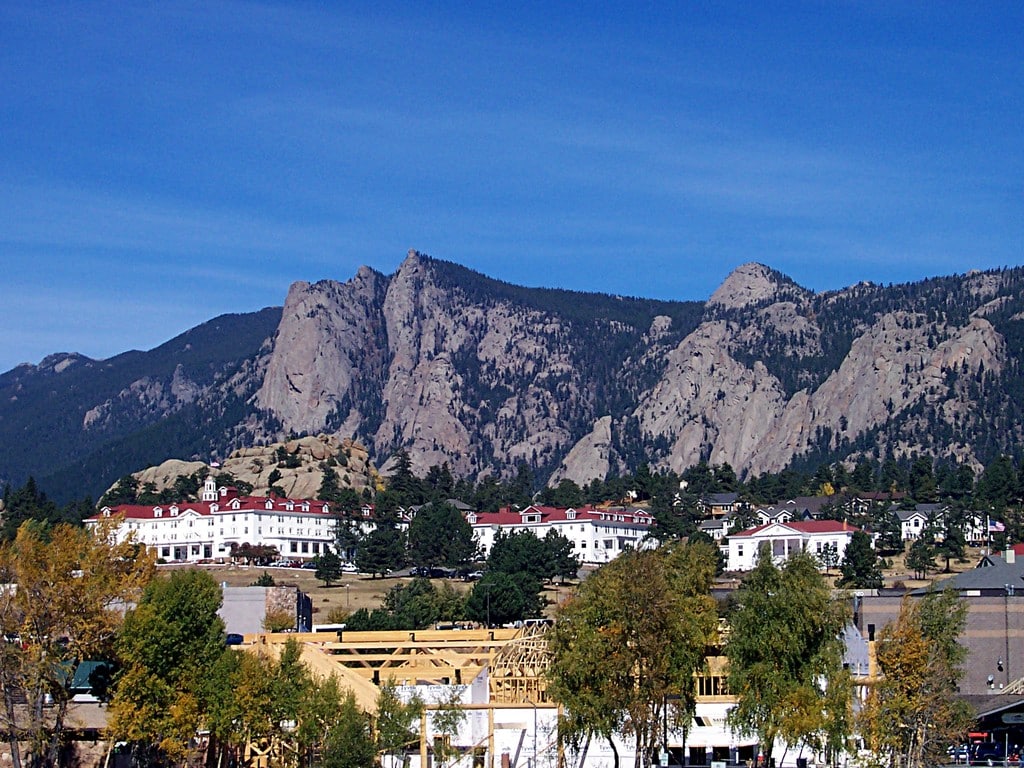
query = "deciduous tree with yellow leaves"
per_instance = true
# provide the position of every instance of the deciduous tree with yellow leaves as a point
(912, 714)
(63, 599)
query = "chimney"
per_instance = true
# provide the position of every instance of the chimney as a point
(1010, 556)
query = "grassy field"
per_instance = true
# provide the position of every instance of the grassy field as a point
(355, 591)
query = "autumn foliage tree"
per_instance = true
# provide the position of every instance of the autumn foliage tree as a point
(785, 657)
(71, 584)
(913, 713)
(167, 647)
(629, 643)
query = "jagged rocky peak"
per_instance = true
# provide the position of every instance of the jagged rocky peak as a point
(750, 284)
(61, 361)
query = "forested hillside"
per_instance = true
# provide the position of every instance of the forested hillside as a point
(454, 367)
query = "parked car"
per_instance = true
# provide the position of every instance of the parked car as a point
(988, 753)
(309, 565)
(233, 638)
(349, 568)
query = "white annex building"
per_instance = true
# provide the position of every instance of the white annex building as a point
(301, 529)
(596, 535)
(785, 539)
(207, 529)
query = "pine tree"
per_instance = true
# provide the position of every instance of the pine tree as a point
(860, 568)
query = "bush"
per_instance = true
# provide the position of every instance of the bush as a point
(278, 621)
(265, 580)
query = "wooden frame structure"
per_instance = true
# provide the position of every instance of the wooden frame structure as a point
(515, 658)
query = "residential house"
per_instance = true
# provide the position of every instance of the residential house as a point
(784, 539)
(719, 504)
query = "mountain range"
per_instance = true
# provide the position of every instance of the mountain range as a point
(453, 366)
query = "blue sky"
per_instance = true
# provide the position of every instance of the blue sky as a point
(163, 163)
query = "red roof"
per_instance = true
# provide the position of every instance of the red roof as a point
(224, 506)
(509, 516)
(805, 526)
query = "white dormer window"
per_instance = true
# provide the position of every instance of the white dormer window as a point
(269, 504)
(471, 518)
(289, 506)
(305, 506)
(174, 510)
(106, 512)
(157, 512)
(236, 504)
(214, 508)
(570, 514)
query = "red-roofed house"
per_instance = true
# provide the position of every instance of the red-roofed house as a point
(597, 535)
(785, 539)
(204, 530)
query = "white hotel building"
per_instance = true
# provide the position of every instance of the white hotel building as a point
(301, 529)
(207, 529)
(597, 535)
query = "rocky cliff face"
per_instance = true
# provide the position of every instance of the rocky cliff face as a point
(474, 373)
(449, 372)
(300, 473)
(455, 367)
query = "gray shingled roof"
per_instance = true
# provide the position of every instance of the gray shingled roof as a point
(993, 578)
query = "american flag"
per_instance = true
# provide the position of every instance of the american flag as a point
(994, 526)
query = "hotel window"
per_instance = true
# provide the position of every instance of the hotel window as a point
(712, 686)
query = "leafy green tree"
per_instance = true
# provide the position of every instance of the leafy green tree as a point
(630, 642)
(264, 580)
(440, 535)
(520, 490)
(566, 494)
(863, 476)
(829, 556)
(488, 496)
(860, 568)
(562, 561)
(349, 742)
(347, 534)
(913, 713)
(25, 504)
(396, 722)
(499, 598)
(887, 527)
(923, 487)
(445, 721)
(440, 482)
(328, 567)
(519, 551)
(125, 491)
(997, 486)
(417, 604)
(921, 557)
(381, 551)
(407, 488)
(785, 655)
(69, 582)
(952, 545)
(166, 647)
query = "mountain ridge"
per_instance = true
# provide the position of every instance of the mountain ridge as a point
(456, 367)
